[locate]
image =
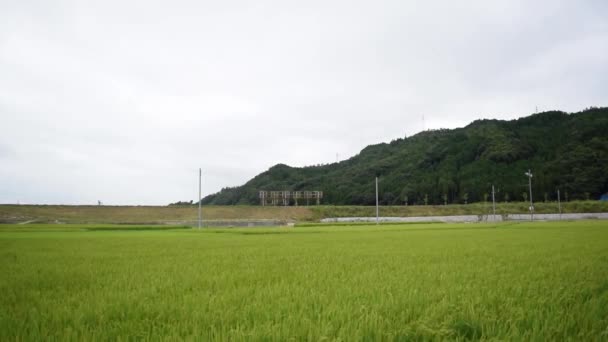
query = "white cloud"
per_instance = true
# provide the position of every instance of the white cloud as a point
(123, 100)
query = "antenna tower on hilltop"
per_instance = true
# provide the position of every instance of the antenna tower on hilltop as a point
(423, 123)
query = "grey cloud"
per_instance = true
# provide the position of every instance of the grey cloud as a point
(123, 100)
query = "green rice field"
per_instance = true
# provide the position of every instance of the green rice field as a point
(511, 281)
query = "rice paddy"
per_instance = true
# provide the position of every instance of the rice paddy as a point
(511, 281)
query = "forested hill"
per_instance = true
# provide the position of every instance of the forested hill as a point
(565, 151)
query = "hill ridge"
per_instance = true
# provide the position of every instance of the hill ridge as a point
(565, 151)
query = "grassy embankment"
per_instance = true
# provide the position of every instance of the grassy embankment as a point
(512, 281)
(179, 214)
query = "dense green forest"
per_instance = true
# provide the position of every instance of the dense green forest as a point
(568, 152)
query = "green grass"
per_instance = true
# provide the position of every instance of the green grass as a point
(51, 227)
(479, 208)
(512, 281)
(354, 224)
(180, 214)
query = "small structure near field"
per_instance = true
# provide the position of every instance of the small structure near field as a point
(288, 197)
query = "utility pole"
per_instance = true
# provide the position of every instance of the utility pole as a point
(377, 211)
(200, 215)
(493, 203)
(529, 174)
(559, 205)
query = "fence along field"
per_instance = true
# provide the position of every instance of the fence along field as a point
(511, 281)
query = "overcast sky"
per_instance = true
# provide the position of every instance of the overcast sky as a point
(122, 101)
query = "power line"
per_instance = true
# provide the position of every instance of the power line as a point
(377, 211)
(529, 174)
(200, 214)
